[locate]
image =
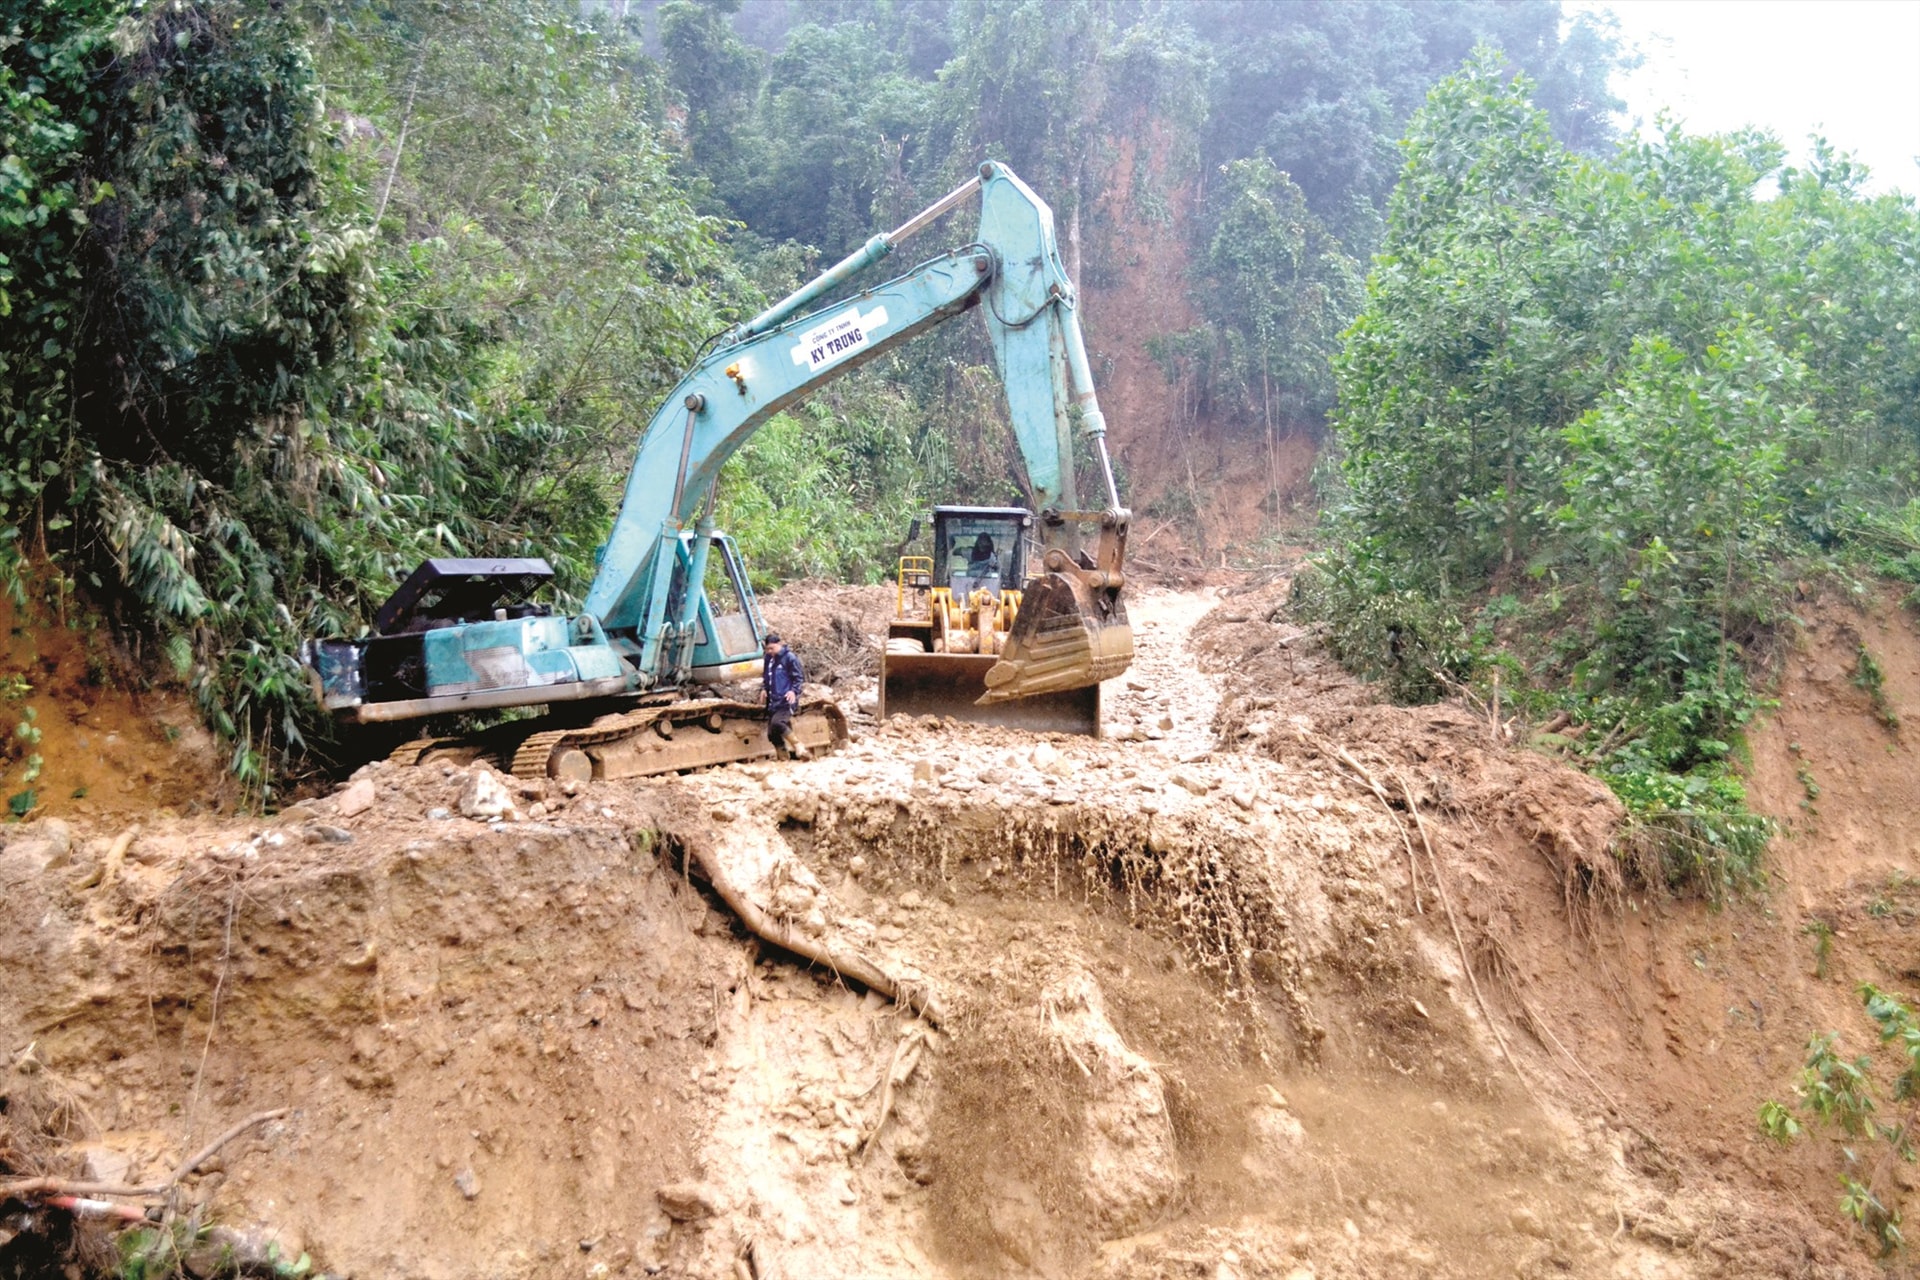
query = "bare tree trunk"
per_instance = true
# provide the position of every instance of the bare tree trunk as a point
(1273, 460)
(1073, 224)
(1074, 242)
(400, 143)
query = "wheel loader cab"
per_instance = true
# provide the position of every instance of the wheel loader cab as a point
(980, 549)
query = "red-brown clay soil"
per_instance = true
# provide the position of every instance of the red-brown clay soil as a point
(1192, 1020)
(107, 747)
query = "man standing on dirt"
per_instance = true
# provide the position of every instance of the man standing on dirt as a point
(780, 682)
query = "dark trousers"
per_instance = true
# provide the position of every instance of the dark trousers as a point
(779, 724)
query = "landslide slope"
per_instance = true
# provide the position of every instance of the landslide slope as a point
(1194, 1019)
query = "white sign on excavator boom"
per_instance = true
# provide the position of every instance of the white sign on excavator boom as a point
(834, 339)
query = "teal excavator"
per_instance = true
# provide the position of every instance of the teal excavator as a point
(671, 609)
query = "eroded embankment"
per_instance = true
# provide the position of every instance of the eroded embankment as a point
(501, 1040)
(1194, 1019)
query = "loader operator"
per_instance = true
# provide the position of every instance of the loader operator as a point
(980, 558)
(780, 682)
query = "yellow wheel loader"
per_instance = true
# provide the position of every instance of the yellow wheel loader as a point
(976, 637)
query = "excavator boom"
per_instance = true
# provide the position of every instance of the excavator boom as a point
(787, 353)
(464, 639)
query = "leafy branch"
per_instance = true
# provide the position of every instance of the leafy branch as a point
(1838, 1093)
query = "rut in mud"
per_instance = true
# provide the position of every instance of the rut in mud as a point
(1275, 981)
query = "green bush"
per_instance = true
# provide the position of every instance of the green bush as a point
(1411, 641)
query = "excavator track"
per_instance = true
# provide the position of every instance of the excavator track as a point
(531, 756)
(455, 749)
(408, 754)
(668, 739)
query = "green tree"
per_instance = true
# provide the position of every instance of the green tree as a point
(1454, 380)
(716, 76)
(1621, 401)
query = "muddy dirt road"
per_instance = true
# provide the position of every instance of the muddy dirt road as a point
(1273, 981)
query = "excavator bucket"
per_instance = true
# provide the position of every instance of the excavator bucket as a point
(1071, 634)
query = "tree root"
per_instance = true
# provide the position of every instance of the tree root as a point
(1459, 941)
(1340, 754)
(108, 869)
(40, 1188)
(906, 1056)
(917, 999)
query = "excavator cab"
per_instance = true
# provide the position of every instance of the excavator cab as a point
(956, 610)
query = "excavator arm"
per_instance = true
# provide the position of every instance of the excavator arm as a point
(462, 635)
(1073, 631)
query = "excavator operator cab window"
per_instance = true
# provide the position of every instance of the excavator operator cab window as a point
(979, 549)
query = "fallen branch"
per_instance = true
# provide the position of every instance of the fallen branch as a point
(1163, 527)
(43, 1188)
(869, 975)
(207, 1152)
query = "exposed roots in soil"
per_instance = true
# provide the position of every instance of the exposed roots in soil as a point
(781, 933)
(1199, 882)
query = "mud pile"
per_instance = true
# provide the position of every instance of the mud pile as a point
(1200, 1009)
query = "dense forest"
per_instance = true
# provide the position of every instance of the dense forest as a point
(1603, 421)
(298, 294)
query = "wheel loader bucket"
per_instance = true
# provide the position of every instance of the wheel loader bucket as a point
(1070, 634)
(951, 684)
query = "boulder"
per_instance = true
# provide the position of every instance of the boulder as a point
(485, 796)
(1190, 781)
(102, 1163)
(1131, 1167)
(689, 1201)
(43, 846)
(356, 798)
(247, 1250)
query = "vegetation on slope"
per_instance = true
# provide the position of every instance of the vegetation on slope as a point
(262, 355)
(1599, 415)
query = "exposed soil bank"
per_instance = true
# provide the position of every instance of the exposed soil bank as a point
(1195, 1024)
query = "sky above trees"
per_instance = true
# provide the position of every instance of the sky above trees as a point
(1849, 69)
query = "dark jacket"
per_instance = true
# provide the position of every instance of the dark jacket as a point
(781, 674)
